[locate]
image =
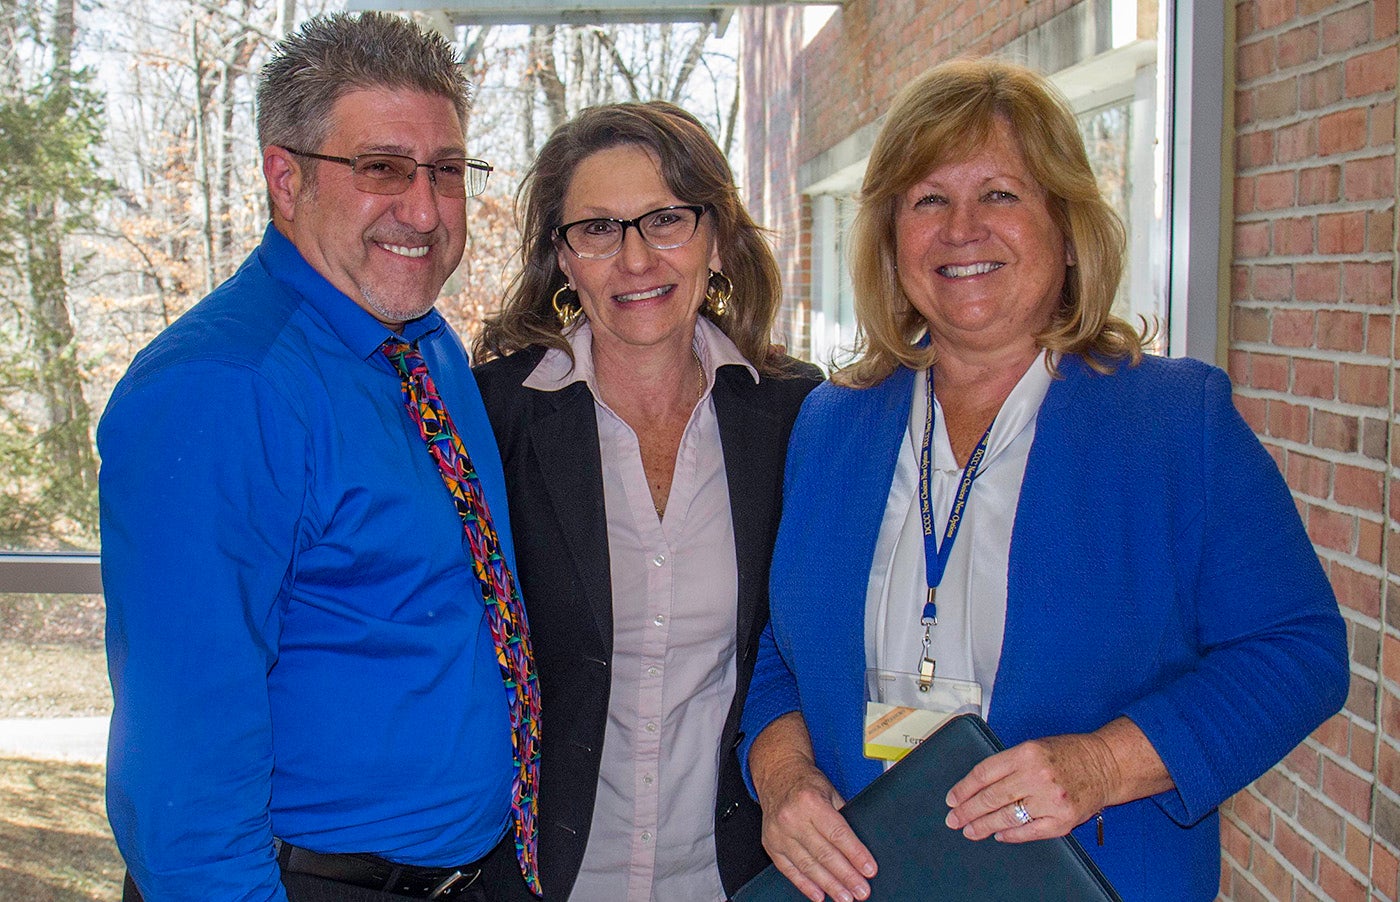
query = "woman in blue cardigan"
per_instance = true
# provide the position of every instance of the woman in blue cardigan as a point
(1005, 502)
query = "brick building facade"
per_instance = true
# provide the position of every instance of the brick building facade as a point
(1308, 331)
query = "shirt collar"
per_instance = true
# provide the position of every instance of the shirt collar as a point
(712, 347)
(1018, 411)
(352, 324)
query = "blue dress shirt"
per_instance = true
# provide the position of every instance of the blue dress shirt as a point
(297, 644)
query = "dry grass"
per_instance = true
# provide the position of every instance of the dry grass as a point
(55, 845)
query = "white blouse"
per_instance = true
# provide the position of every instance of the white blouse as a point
(966, 642)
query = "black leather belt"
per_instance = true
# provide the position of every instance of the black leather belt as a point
(373, 872)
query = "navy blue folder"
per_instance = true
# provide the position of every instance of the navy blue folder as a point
(900, 818)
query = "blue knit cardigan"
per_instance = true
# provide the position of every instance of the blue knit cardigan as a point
(1158, 570)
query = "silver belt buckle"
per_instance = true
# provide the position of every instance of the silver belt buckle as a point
(451, 881)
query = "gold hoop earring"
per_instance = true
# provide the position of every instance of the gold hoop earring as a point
(567, 315)
(717, 296)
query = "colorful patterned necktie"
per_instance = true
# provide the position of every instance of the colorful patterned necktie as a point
(505, 612)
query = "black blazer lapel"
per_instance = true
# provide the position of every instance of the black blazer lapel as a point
(565, 446)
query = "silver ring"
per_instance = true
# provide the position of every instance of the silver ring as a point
(1019, 812)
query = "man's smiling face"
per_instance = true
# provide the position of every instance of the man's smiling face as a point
(390, 254)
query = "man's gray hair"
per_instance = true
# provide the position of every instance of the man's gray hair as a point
(330, 56)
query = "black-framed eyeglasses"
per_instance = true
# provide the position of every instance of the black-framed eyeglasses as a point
(663, 229)
(392, 173)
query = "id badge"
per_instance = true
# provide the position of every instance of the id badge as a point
(901, 711)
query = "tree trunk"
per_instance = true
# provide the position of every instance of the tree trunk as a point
(67, 439)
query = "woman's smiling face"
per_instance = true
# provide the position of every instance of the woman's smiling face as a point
(639, 297)
(979, 255)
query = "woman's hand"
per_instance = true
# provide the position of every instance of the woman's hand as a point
(804, 834)
(1059, 783)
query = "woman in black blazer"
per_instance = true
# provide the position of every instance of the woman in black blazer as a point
(643, 418)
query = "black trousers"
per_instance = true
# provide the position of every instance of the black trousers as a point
(500, 882)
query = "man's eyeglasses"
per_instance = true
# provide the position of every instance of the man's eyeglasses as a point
(663, 229)
(391, 173)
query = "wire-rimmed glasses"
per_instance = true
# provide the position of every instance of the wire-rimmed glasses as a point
(391, 173)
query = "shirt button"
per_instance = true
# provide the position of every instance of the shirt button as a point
(646, 836)
(653, 670)
(659, 560)
(651, 727)
(659, 619)
(648, 779)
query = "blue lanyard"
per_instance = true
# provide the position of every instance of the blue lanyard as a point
(936, 555)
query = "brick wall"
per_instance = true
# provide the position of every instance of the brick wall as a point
(1312, 354)
(1313, 339)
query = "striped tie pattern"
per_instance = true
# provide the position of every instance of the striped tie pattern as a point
(505, 612)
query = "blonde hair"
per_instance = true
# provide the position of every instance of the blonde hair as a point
(943, 116)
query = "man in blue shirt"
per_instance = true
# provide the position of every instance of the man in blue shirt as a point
(308, 698)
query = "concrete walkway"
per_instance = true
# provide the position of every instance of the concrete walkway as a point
(67, 738)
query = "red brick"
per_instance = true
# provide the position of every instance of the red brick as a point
(1251, 240)
(1370, 538)
(1296, 850)
(1234, 842)
(1335, 431)
(1315, 379)
(1358, 487)
(1366, 385)
(1341, 330)
(1249, 324)
(1342, 131)
(1370, 179)
(1347, 29)
(1271, 283)
(1317, 282)
(1293, 328)
(1268, 372)
(1272, 13)
(1320, 185)
(1351, 791)
(1298, 46)
(1253, 813)
(1360, 592)
(1246, 19)
(1333, 735)
(1274, 191)
(1254, 59)
(1367, 283)
(1378, 335)
(1380, 231)
(1331, 529)
(1253, 411)
(1309, 476)
(1321, 88)
(1391, 656)
(1339, 885)
(1291, 422)
(1254, 149)
(1321, 821)
(1244, 194)
(1304, 763)
(1341, 233)
(1237, 365)
(1385, 869)
(1293, 237)
(1270, 873)
(1382, 125)
(1371, 73)
(1296, 142)
(1363, 748)
(1383, 26)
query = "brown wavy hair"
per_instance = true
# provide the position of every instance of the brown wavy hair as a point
(694, 170)
(943, 116)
